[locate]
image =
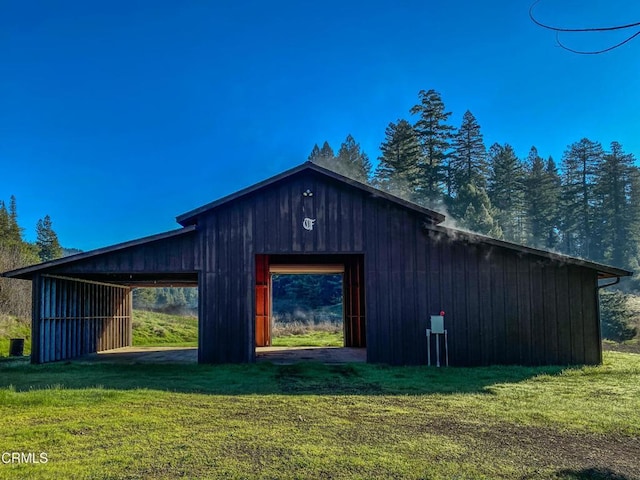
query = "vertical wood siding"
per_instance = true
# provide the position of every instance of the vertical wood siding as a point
(74, 317)
(171, 255)
(502, 306)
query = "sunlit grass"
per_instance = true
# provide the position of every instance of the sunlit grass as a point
(312, 421)
(161, 329)
(12, 327)
(310, 339)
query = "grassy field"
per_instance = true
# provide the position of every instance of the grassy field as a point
(12, 327)
(97, 420)
(307, 334)
(317, 338)
(154, 329)
(160, 329)
(309, 420)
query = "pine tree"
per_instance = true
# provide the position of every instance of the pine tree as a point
(542, 198)
(397, 170)
(315, 153)
(352, 162)
(506, 191)
(434, 135)
(47, 241)
(553, 189)
(612, 192)
(467, 166)
(14, 231)
(480, 216)
(634, 225)
(4, 224)
(322, 156)
(580, 163)
(468, 162)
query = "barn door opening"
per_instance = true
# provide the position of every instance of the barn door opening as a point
(353, 301)
(263, 302)
(323, 271)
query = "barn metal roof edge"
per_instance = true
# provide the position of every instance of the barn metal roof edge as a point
(604, 271)
(24, 271)
(190, 217)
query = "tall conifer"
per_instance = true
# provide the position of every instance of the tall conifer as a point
(612, 193)
(397, 170)
(352, 162)
(506, 191)
(434, 135)
(580, 162)
(467, 167)
(47, 240)
(542, 201)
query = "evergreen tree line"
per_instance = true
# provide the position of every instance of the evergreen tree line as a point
(166, 299)
(46, 247)
(305, 292)
(15, 252)
(587, 206)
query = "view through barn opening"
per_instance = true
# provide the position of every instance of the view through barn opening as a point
(307, 308)
(310, 301)
(165, 316)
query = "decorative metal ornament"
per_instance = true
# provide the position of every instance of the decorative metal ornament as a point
(308, 223)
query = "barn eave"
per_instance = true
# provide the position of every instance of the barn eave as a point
(27, 273)
(604, 271)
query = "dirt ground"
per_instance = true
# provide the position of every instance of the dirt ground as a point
(276, 355)
(580, 456)
(621, 347)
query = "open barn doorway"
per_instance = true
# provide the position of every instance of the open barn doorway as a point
(165, 316)
(288, 285)
(307, 307)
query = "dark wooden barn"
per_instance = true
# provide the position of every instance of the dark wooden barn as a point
(504, 303)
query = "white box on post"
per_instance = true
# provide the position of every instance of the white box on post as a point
(437, 324)
(437, 329)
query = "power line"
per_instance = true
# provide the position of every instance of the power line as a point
(559, 30)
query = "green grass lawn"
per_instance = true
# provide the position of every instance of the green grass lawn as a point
(310, 339)
(116, 421)
(12, 327)
(161, 329)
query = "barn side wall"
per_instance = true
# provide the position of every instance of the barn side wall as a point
(74, 317)
(502, 307)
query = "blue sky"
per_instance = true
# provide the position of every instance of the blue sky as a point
(117, 116)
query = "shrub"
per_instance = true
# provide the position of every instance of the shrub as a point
(616, 317)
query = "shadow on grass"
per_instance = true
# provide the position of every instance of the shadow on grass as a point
(265, 378)
(591, 474)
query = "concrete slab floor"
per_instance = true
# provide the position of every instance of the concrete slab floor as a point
(276, 355)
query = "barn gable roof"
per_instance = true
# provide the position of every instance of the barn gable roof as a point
(190, 218)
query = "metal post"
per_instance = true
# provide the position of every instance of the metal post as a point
(437, 349)
(428, 347)
(446, 347)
